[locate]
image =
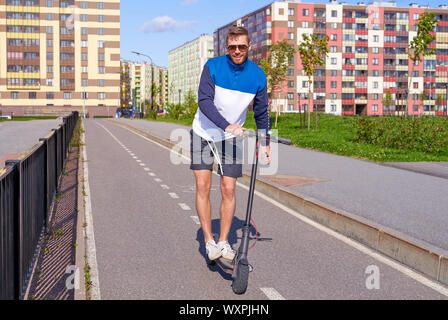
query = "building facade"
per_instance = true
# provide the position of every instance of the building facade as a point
(185, 65)
(368, 57)
(139, 79)
(59, 55)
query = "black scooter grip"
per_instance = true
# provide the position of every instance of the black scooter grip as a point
(281, 140)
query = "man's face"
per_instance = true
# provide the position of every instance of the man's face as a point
(238, 48)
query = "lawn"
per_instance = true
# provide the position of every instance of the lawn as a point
(30, 118)
(338, 135)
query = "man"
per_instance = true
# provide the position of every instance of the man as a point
(228, 85)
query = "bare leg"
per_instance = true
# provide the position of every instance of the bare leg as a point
(228, 206)
(203, 207)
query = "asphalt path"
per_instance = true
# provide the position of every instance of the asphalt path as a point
(406, 201)
(149, 244)
(18, 136)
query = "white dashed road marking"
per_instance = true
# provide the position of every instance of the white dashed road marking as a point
(272, 294)
(184, 207)
(157, 180)
(164, 186)
(152, 174)
(195, 219)
(173, 195)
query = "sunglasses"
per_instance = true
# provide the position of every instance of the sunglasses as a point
(241, 47)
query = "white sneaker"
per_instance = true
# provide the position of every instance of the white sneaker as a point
(226, 250)
(212, 250)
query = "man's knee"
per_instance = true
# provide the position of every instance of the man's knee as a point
(203, 185)
(228, 188)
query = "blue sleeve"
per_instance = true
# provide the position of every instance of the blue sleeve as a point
(261, 113)
(206, 97)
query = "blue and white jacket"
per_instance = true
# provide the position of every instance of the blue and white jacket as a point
(225, 92)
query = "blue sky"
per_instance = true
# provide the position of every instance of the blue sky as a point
(154, 27)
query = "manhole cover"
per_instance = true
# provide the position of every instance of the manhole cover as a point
(291, 181)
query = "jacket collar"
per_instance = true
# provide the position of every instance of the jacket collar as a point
(236, 67)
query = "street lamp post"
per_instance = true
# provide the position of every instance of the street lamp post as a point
(152, 73)
(180, 90)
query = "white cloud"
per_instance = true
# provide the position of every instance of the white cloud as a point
(186, 3)
(165, 23)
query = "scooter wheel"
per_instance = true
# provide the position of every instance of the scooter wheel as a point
(241, 280)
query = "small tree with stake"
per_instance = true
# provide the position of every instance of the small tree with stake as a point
(275, 66)
(313, 51)
(419, 44)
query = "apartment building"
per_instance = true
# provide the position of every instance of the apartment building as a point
(140, 76)
(368, 56)
(185, 64)
(59, 55)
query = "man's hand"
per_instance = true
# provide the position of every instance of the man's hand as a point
(266, 152)
(235, 129)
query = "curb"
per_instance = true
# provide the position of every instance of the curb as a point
(80, 290)
(423, 257)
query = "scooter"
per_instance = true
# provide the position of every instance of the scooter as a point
(240, 267)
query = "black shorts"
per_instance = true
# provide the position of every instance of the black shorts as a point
(229, 153)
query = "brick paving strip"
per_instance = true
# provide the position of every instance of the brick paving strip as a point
(53, 277)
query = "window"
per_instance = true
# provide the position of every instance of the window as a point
(49, 16)
(333, 73)
(101, 95)
(333, 84)
(376, 38)
(101, 70)
(101, 83)
(84, 69)
(291, 35)
(333, 37)
(84, 95)
(375, 96)
(375, 73)
(290, 24)
(334, 60)
(100, 44)
(84, 17)
(100, 5)
(49, 3)
(84, 4)
(100, 18)
(375, 61)
(67, 95)
(49, 82)
(375, 50)
(84, 44)
(375, 84)
(333, 108)
(290, 84)
(334, 13)
(291, 12)
(100, 56)
(49, 55)
(49, 43)
(49, 29)
(49, 69)
(305, 12)
(32, 95)
(84, 82)
(333, 25)
(50, 95)
(304, 84)
(333, 96)
(84, 31)
(333, 49)
(14, 95)
(290, 96)
(415, 85)
(84, 56)
(101, 31)
(374, 107)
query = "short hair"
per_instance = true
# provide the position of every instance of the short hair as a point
(236, 32)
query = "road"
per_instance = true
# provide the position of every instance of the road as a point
(18, 136)
(149, 244)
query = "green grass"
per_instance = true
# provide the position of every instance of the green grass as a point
(30, 118)
(337, 135)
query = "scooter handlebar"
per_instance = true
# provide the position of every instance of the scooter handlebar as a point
(250, 133)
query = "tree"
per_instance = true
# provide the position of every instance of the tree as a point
(439, 102)
(423, 97)
(419, 44)
(313, 51)
(190, 104)
(387, 100)
(275, 66)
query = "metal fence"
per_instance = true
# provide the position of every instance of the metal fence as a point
(27, 190)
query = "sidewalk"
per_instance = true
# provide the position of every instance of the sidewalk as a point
(408, 202)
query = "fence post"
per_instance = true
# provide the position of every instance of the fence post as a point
(47, 192)
(18, 230)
